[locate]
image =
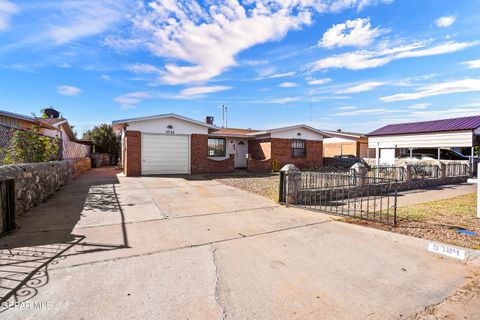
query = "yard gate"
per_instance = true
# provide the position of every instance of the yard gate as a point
(345, 194)
(7, 205)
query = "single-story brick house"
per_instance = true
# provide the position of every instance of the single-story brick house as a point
(173, 144)
(344, 143)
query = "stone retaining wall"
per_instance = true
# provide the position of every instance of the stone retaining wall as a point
(36, 182)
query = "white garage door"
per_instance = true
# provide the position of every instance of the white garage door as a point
(165, 154)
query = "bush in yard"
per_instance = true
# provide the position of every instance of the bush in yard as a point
(103, 139)
(28, 145)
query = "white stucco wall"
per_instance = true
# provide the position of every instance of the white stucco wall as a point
(423, 140)
(160, 126)
(293, 134)
(337, 140)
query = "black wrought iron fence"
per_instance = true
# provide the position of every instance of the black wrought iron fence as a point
(457, 169)
(370, 198)
(7, 205)
(425, 171)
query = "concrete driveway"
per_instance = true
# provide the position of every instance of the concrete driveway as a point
(111, 247)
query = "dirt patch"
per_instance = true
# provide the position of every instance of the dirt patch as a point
(464, 304)
(263, 184)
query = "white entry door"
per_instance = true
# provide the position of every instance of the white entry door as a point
(240, 154)
(165, 154)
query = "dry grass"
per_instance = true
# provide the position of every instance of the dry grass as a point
(438, 221)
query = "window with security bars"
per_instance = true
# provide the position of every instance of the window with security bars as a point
(298, 148)
(216, 147)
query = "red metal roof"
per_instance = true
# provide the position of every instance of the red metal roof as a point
(454, 124)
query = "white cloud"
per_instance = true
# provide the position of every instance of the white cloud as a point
(143, 68)
(7, 9)
(446, 21)
(254, 62)
(473, 64)
(355, 33)
(277, 75)
(82, 18)
(363, 59)
(207, 38)
(285, 100)
(200, 91)
(314, 82)
(363, 87)
(340, 5)
(347, 108)
(68, 90)
(467, 85)
(106, 77)
(130, 100)
(287, 85)
(360, 112)
(419, 106)
(65, 66)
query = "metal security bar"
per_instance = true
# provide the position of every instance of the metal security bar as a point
(387, 172)
(369, 198)
(425, 171)
(7, 204)
(457, 170)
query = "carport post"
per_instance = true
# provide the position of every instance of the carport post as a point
(477, 181)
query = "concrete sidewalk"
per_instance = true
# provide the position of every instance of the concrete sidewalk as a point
(412, 197)
(113, 247)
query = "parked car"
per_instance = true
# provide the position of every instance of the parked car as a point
(346, 156)
(432, 154)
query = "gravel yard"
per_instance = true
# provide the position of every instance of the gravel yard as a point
(263, 184)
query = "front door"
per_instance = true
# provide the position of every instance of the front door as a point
(240, 154)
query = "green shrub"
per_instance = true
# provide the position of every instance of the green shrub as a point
(28, 145)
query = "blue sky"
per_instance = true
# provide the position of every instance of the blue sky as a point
(350, 64)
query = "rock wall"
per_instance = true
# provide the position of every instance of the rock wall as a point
(36, 182)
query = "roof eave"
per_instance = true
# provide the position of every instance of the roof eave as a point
(167, 115)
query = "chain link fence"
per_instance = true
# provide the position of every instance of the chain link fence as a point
(6, 135)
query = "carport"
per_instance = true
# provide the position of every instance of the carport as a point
(392, 140)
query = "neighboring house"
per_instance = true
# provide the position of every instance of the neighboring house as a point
(71, 146)
(50, 127)
(62, 128)
(347, 143)
(19, 121)
(395, 139)
(173, 144)
(9, 122)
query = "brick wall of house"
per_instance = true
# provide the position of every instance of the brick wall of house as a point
(199, 161)
(282, 152)
(260, 149)
(254, 165)
(133, 154)
(341, 148)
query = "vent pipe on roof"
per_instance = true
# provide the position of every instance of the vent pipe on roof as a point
(224, 116)
(209, 120)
